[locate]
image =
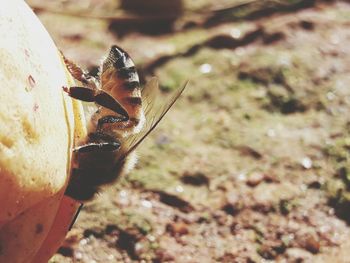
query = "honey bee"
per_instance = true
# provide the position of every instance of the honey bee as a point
(124, 116)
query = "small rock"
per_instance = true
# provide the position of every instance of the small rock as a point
(164, 256)
(196, 179)
(306, 163)
(66, 251)
(205, 68)
(139, 248)
(177, 229)
(233, 204)
(93, 232)
(297, 255)
(233, 198)
(255, 178)
(267, 252)
(312, 244)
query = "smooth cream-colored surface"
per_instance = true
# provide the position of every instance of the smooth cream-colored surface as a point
(35, 134)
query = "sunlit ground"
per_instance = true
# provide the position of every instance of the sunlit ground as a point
(251, 164)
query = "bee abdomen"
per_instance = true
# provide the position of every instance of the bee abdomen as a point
(128, 73)
(132, 85)
(119, 77)
(133, 101)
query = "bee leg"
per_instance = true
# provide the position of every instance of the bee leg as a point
(106, 100)
(78, 73)
(81, 93)
(100, 97)
(99, 142)
(98, 147)
(75, 217)
(108, 119)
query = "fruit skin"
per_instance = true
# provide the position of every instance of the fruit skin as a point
(36, 118)
(68, 206)
(21, 237)
(66, 212)
(37, 126)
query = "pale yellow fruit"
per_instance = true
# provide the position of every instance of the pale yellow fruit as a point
(36, 136)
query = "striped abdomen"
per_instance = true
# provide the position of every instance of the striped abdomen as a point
(120, 79)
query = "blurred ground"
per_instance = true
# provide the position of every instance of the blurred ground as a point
(252, 163)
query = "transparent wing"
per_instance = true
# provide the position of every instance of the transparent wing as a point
(155, 109)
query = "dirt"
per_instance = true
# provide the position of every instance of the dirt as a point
(252, 163)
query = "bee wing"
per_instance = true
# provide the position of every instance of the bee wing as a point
(151, 104)
(154, 109)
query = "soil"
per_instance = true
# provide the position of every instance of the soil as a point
(252, 162)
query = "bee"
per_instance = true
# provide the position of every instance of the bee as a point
(123, 117)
